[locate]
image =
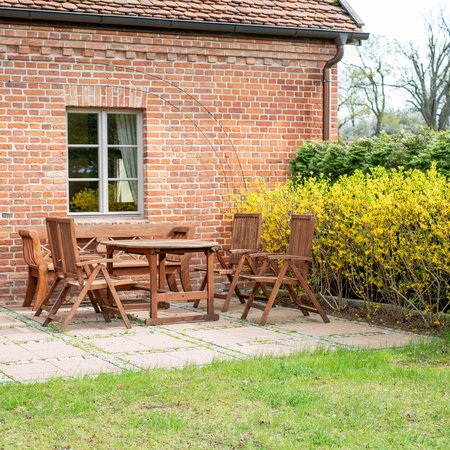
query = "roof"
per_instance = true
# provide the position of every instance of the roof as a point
(287, 13)
(300, 14)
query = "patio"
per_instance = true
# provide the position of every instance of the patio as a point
(30, 352)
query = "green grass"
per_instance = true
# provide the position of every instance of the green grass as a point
(345, 399)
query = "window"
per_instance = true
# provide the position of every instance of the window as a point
(104, 162)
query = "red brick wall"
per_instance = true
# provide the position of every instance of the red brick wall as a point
(256, 100)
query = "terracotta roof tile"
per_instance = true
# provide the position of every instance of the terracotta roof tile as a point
(325, 14)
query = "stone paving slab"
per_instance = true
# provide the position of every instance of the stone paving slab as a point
(30, 352)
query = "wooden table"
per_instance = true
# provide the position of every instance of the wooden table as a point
(155, 251)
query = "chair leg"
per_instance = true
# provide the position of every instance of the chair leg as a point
(38, 306)
(202, 288)
(54, 309)
(172, 282)
(94, 302)
(233, 285)
(251, 299)
(99, 301)
(84, 291)
(310, 294)
(31, 289)
(274, 293)
(116, 298)
(185, 279)
(42, 286)
(297, 300)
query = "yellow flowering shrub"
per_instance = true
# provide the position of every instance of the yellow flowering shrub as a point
(382, 236)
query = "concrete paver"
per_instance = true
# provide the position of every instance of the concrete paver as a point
(32, 371)
(29, 352)
(336, 327)
(11, 352)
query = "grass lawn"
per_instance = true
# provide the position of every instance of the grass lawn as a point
(380, 399)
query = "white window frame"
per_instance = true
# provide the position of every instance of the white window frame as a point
(103, 163)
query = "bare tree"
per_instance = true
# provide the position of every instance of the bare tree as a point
(369, 80)
(428, 79)
(352, 106)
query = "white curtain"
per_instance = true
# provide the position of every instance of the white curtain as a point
(126, 132)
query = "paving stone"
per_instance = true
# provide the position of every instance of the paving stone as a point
(23, 334)
(235, 335)
(199, 356)
(276, 315)
(11, 352)
(222, 322)
(6, 322)
(335, 327)
(117, 344)
(158, 341)
(32, 371)
(85, 366)
(380, 340)
(97, 328)
(153, 360)
(284, 348)
(52, 349)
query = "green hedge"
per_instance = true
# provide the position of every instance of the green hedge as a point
(407, 150)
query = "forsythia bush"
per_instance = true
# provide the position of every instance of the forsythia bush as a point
(383, 236)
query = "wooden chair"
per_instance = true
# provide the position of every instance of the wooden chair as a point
(289, 269)
(179, 264)
(40, 270)
(88, 275)
(245, 239)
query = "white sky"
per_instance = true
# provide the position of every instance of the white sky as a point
(397, 19)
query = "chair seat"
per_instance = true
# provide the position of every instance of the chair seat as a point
(130, 263)
(268, 278)
(219, 270)
(101, 284)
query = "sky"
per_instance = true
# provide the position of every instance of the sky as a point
(396, 19)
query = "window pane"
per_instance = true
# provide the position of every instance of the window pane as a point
(83, 128)
(83, 162)
(122, 163)
(122, 195)
(122, 129)
(83, 196)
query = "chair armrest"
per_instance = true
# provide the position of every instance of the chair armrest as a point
(241, 250)
(98, 261)
(260, 254)
(299, 258)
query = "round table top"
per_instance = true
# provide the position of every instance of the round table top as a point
(161, 244)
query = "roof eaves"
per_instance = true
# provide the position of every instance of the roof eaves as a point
(175, 24)
(351, 12)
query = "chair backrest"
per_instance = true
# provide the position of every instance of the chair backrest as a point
(246, 233)
(301, 238)
(32, 248)
(53, 242)
(64, 245)
(180, 233)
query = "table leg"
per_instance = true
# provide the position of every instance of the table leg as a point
(153, 263)
(162, 271)
(210, 281)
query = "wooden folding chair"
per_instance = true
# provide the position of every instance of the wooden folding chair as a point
(289, 269)
(40, 270)
(88, 275)
(245, 239)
